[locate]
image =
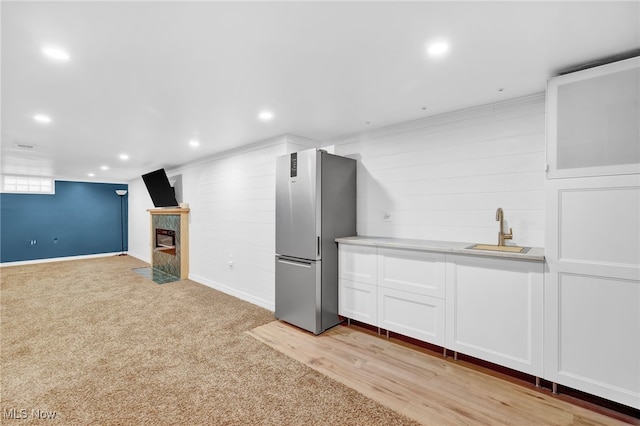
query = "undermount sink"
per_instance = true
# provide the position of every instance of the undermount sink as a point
(491, 247)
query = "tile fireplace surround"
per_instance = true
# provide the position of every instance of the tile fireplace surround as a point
(177, 220)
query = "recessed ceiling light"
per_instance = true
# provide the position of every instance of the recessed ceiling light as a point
(104, 167)
(55, 53)
(124, 157)
(91, 174)
(194, 143)
(265, 116)
(438, 48)
(41, 118)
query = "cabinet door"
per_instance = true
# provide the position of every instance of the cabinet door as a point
(412, 271)
(414, 315)
(592, 286)
(593, 121)
(358, 301)
(495, 311)
(358, 263)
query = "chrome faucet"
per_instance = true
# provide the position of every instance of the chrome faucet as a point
(501, 235)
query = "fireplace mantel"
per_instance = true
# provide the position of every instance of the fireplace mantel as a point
(178, 264)
(176, 210)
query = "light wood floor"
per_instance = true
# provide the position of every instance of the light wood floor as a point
(430, 389)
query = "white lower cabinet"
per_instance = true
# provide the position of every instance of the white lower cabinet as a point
(486, 307)
(412, 271)
(495, 311)
(358, 301)
(414, 315)
(411, 290)
(357, 283)
(358, 263)
(593, 335)
(592, 286)
(578, 325)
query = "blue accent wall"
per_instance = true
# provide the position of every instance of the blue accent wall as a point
(81, 218)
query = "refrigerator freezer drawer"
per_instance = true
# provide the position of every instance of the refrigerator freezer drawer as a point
(298, 293)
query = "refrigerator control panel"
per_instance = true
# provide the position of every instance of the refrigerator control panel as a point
(293, 165)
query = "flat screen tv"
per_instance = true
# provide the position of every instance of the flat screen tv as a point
(161, 192)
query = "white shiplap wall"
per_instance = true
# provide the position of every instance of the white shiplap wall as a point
(443, 178)
(232, 219)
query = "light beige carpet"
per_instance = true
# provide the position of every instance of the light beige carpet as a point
(96, 343)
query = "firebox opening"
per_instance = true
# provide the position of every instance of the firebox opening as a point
(166, 241)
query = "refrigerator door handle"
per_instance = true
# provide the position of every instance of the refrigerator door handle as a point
(318, 245)
(294, 262)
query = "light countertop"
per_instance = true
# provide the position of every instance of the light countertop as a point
(533, 253)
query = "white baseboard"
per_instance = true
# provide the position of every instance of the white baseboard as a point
(140, 257)
(233, 292)
(57, 259)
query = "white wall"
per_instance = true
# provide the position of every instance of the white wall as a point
(232, 219)
(443, 178)
(139, 220)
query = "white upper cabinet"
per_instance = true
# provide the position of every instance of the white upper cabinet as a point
(593, 121)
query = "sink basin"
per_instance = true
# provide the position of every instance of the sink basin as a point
(491, 247)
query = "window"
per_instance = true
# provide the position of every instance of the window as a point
(27, 184)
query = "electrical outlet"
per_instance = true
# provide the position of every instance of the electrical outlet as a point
(386, 216)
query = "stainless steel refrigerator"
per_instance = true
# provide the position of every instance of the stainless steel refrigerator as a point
(315, 204)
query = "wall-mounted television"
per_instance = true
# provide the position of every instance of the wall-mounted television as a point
(161, 192)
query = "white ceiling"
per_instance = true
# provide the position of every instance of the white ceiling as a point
(146, 77)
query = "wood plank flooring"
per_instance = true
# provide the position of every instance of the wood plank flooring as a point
(430, 389)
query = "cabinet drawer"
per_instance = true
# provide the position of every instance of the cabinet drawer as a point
(412, 271)
(358, 263)
(357, 301)
(414, 315)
